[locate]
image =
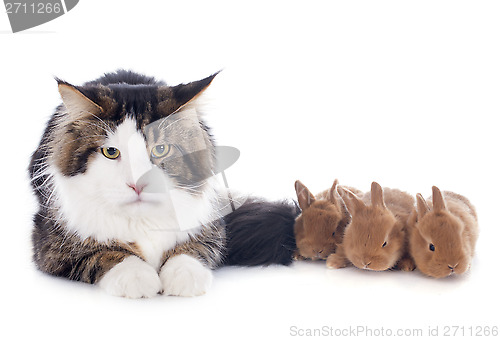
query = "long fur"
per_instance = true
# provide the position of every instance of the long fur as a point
(261, 233)
(91, 220)
(93, 225)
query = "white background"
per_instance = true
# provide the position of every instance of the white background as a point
(404, 93)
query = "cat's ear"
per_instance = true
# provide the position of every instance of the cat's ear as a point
(77, 104)
(175, 98)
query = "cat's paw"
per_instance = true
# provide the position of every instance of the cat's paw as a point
(183, 275)
(131, 278)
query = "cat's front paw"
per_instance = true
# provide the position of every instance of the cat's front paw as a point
(183, 275)
(131, 278)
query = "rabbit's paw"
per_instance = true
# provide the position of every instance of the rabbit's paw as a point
(406, 264)
(334, 261)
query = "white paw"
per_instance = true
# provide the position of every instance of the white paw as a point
(131, 278)
(183, 275)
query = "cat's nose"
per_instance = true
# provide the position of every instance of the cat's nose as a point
(137, 188)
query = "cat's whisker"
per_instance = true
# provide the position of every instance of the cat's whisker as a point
(39, 173)
(190, 190)
(49, 177)
(44, 157)
(169, 119)
(43, 193)
(52, 194)
(85, 137)
(189, 187)
(108, 129)
(163, 128)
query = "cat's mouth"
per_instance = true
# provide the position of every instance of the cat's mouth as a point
(142, 200)
(136, 201)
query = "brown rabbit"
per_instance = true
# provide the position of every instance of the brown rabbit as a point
(320, 226)
(443, 238)
(376, 238)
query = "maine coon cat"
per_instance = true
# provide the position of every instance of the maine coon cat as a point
(128, 200)
(122, 176)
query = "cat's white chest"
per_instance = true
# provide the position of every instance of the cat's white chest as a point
(153, 243)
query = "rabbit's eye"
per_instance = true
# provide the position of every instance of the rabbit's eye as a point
(431, 247)
(385, 243)
(333, 234)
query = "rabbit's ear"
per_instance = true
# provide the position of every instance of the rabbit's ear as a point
(412, 219)
(304, 196)
(353, 202)
(422, 207)
(333, 195)
(438, 203)
(377, 195)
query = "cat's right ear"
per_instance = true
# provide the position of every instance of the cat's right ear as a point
(176, 98)
(304, 196)
(77, 104)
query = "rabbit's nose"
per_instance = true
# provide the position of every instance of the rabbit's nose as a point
(318, 252)
(453, 267)
(366, 265)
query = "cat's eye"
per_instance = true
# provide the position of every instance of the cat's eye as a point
(431, 247)
(111, 152)
(160, 150)
(383, 245)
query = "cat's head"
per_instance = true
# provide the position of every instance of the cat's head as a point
(128, 145)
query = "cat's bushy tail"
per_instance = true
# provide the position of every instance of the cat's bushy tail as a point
(260, 232)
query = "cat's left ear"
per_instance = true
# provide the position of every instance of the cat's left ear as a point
(76, 102)
(173, 99)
